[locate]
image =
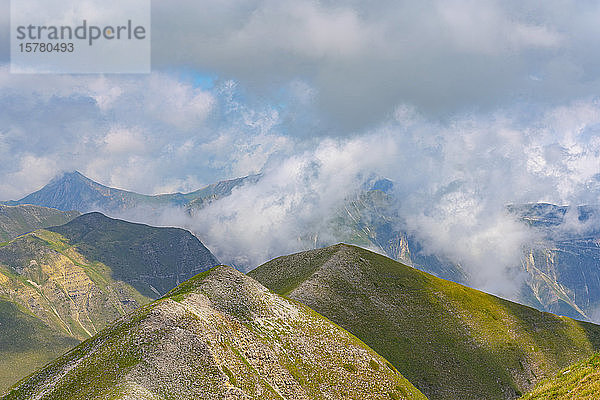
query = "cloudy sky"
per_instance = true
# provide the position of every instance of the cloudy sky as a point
(467, 105)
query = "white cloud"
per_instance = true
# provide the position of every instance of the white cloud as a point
(437, 96)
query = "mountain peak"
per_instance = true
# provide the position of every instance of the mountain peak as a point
(221, 335)
(423, 324)
(74, 191)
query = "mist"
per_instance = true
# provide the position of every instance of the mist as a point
(466, 106)
(452, 184)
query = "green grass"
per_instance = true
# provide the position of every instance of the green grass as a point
(449, 340)
(138, 254)
(26, 343)
(580, 381)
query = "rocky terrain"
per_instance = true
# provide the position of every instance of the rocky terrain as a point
(219, 335)
(450, 341)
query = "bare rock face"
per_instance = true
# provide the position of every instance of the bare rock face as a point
(220, 335)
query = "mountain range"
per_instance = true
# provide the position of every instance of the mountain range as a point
(375, 329)
(219, 335)
(66, 283)
(63, 284)
(74, 191)
(562, 271)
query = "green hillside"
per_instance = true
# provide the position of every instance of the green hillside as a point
(17, 220)
(74, 285)
(219, 335)
(450, 341)
(580, 381)
(26, 343)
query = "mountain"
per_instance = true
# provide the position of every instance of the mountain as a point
(450, 341)
(564, 266)
(579, 381)
(219, 335)
(152, 260)
(17, 220)
(563, 269)
(76, 278)
(74, 191)
(371, 220)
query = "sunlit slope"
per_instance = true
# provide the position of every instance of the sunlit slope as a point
(580, 381)
(450, 341)
(220, 335)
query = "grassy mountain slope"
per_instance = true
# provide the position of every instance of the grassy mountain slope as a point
(563, 272)
(579, 381)
(20, 334)
(450, 341)
(153, 260)
(77, 283)
(219, 335)
(17, 220)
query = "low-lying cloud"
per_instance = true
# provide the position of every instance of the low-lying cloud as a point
(466, 106)
(452, 185)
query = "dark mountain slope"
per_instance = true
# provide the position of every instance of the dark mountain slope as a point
(450, 341)
(152, 260)
(220, 335)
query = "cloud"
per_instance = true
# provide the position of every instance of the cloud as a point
(363, 58)
(467, 105)
(452, 185)
(440, 56)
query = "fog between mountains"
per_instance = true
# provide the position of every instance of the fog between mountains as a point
(452, 184)
(466, 105)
